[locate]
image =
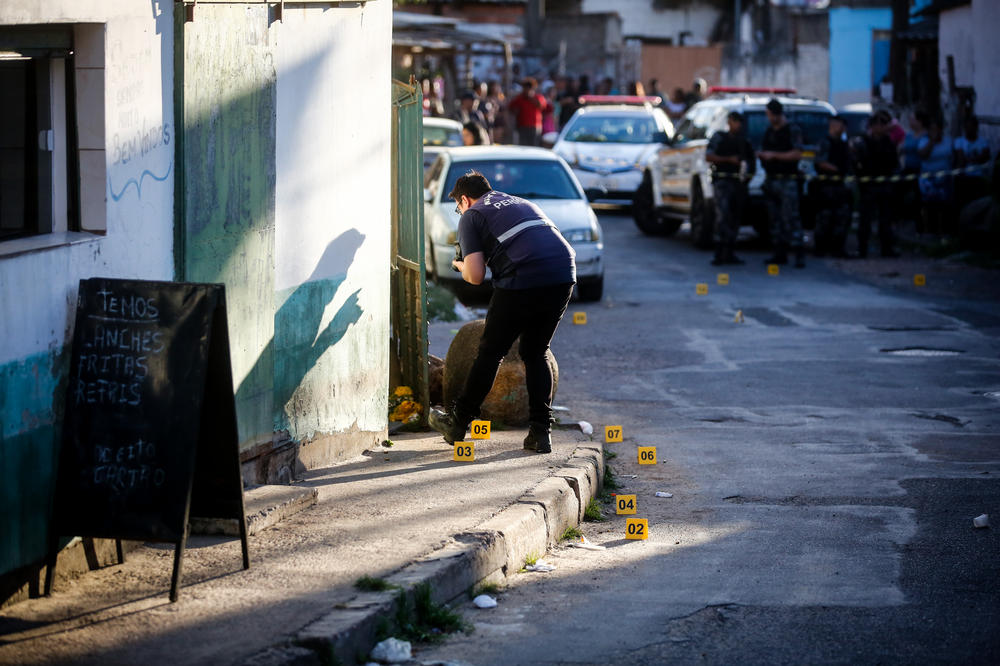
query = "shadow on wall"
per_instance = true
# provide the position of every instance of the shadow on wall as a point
(299, 326)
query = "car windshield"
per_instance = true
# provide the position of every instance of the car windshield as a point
(530, 179)
(813, 123)
(442, 136)
(630, 128)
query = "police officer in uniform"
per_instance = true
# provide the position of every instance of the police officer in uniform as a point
(734, 164)
(833, 220)
(877, 156)
(780, 152)
(534, 270)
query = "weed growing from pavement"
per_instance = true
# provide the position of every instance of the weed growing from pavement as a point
(369, 584)
(593, 511)
(423, 620)
(571, 533)
(609, 455)
(530, 559)
(486, 588)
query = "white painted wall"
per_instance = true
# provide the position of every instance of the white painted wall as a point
(333, 202)
(38, 288)
(640, 19)
(969, 34)
(809, 73)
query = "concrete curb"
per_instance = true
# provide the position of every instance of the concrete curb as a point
(498, 548)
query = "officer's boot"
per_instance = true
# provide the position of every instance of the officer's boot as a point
(539, 438)
(731, 257)
(720, 254)
(800, 257)
(450, 424)
(780, 255)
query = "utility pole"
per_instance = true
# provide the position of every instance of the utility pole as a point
(897, 52)
(533, 18)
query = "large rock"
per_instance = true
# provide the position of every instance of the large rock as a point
(507, 403)
(435, 379)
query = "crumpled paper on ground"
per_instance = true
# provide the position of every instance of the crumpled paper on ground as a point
(540, 566)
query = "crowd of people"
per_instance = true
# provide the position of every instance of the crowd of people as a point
(887, 173)
(535, 108)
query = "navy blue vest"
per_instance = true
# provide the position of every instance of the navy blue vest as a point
(521, 245)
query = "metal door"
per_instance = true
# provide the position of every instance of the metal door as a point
(409, 303)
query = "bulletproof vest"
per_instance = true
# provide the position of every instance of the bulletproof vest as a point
(522, 247)
(780, 141)
(728, 145)
(839, 155)
(880, 157)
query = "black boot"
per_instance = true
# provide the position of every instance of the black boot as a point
(449, 424)
(539, 439)
(800, 257)
(720, 255)
(780, 256)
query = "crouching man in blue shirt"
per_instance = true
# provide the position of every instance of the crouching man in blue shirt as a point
(534, 271)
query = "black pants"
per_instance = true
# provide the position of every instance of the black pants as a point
(876, 202)
(534, 315)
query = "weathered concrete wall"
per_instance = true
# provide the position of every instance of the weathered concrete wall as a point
(286, 202)
(228, 189)
(124, 78)
(592, 42)
(968, 34)
(642, 19)
(808, 72)
(333, 225)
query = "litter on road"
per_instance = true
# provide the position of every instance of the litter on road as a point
(541, 566)
(485, 601)
(981, 521)
(392, 651)
(586, 428)
(585, 544)
(660, 493)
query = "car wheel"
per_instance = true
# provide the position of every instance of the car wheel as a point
(702, 218)
(645, 214)
(591, 290)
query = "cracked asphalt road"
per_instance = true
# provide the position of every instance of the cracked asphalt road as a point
(823, 488)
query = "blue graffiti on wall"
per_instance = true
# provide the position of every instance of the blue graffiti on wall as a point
(138, 182)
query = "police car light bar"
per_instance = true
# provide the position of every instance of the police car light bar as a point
(655, 100)
(743, 89)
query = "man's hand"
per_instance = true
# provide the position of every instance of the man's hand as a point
(472, 268)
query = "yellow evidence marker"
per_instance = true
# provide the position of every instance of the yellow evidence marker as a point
(579, 317)
(625, 504)
(464, 452)
(722, 278)
(480, 429)
(647, 455)
(701, 288)
(612, 433)
(919, 280)
(772, 269)
(636, 528)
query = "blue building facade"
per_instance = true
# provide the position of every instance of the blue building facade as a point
(859, 52)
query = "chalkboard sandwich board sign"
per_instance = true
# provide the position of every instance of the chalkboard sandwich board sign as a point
(150, 434)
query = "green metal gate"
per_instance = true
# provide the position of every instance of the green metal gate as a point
(409, 302)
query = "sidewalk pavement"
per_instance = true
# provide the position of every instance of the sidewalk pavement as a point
(407, 514)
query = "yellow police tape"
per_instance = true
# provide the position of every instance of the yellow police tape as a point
(897, 178)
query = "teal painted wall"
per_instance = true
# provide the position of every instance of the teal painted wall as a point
(29, 418)
(228, 190)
